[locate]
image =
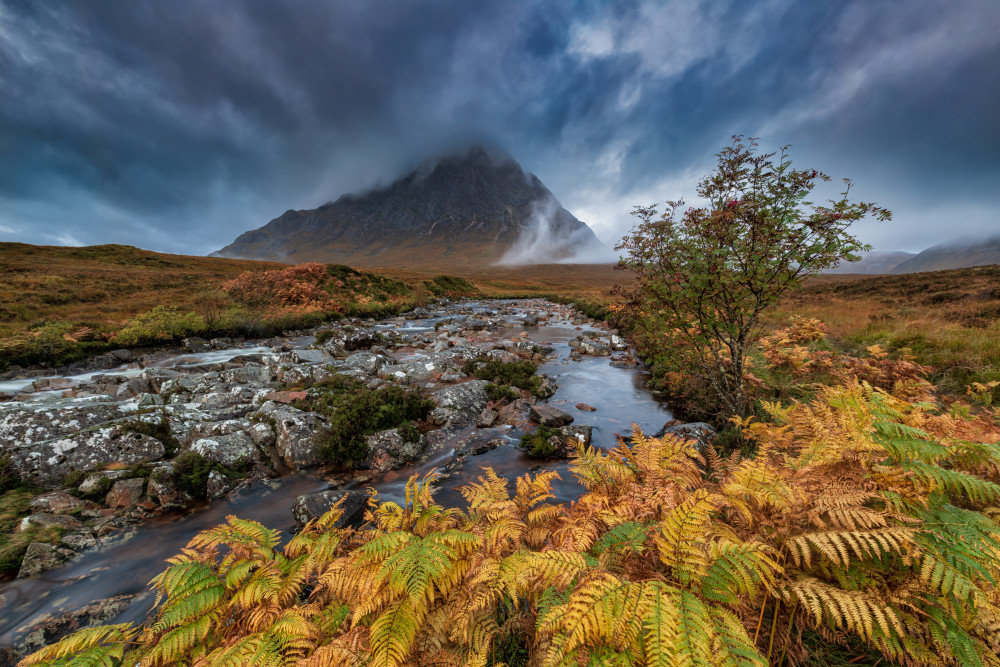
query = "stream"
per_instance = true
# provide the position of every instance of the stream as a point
(126, 565)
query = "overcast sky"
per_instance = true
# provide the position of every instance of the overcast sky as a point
(176, 126)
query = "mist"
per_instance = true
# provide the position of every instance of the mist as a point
(541, 243)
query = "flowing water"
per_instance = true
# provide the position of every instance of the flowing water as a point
(619, 395)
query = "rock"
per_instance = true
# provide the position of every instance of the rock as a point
(298, 434)
(367, 362)
(486, 418)
(78, 541)
(618, 343)
(287, 397)
(314, 505)
(38, 558)
(125, 493)
(44, 520)
(310, 357)
(586, 408)
(593, 347)
(515, 413)
(577, 434)
(360, 339)
(218, 485)
(95, 481)
(548, 416)
(124, 356)
(466, 401)
(387, 450)
(163, 489)
(475, 323)
(262, 434)
(227, 449)
(58, 502)
(503, 356)
(701, 432)
(195, 344)
(547, 388)
(336, 350)
(530, 320)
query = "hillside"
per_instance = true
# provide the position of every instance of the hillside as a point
(874, 262)
(465, 210)
(957, 254)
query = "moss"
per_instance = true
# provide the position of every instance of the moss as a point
(14, 506)
(355, 412)
(159, 430)
(537, 443)
(500, 392)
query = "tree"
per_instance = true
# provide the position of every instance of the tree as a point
(704, 275)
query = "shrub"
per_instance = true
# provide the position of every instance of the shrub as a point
(355, 411)
(159, 430)
(162, 324)
(10, 479)
(537, 444)
(520, 374)
(450, 286)
(191, 471)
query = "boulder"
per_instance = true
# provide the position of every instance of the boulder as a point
(549, 416)
(195, 344)
(577, 434)
(163, 489)
(387, 450)
(298, 434)
(95, 481)
(585, 407)
(314, 505)
(218, 485)
(466, 402)
(124, 356)
(45, 520)
(515, 413)
(58, 502)
(126, 493)
(593, 347)
(700, 432)
(40, 557)
(486, 418)
(367, 362)
(227, 449)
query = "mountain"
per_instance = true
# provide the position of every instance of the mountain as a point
(874, 262)
(470, 209)
(958, 254)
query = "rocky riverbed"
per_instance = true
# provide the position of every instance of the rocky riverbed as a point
(107, 447)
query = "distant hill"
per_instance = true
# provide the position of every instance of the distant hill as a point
(467, 210)
(874, 262)
(958, 254)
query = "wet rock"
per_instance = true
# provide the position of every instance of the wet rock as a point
(593, 347)
(314, 505)
(475, 323)
(58, 502)
(547, 388)
(126, 493)
(298, 434)
(195, 344)
(465, 401)
(94, 482)
(78, 541)
(48, 630)
(124, 356)
(227, 449)
(486, 418)
(701, 432)
(624, 361)
(577, 434)
(515, 413)
(618, 343)
(530, 320)
(549, 416)
(586, 408)
(40, 557)
(336, 350)
(388, 450)
(218, 485)
(162, 488)
(310, 357)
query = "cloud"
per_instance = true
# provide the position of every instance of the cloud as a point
(178, 128)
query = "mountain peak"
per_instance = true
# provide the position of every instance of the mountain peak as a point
(470, 207)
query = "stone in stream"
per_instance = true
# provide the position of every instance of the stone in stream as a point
(486, 418)
(298, 434)
(388, 450)
(462, 403)
(40, 557)
(314, 505)
(195, 344)
(549, 416)
(585, 407)
(515, 413)
(593, 347)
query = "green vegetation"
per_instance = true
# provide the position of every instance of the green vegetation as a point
(191, 471)
(159, 430)
(451, 286)
(162, 324)
(862, 532)
(503, 376)
(537, 443)
(9, 477)
(355, 412)
(705, 275)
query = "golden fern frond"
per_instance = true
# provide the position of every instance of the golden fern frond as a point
(393, 633)
(850, 610)
(838, 546)
(684, 533)
(99, 645)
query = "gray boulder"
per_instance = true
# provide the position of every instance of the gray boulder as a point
(464, 402)
(549, 416)
(227, 449)
(700, 432)
(387, 450)
(367, 362)
(41, 557)
(298, 434)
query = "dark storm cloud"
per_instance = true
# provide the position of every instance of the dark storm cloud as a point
(177, 126)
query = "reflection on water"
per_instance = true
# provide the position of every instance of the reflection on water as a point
(617, 393)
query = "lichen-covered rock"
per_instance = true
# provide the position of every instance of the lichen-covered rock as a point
(593, 347)
(218, 485)
(367, 362)
(46, 520)
(486, 418)
(48, 463)
(126, 493)
(58, 502)
(94, 481)
(298, 434)
(314, 505)
(515, 413)
(700, 432)
(40, 557)
(227, 449)
(549, 416)
(465, 401)
(388, 450)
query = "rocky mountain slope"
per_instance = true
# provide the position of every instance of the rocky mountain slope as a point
(957, 254)
(465, 210)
